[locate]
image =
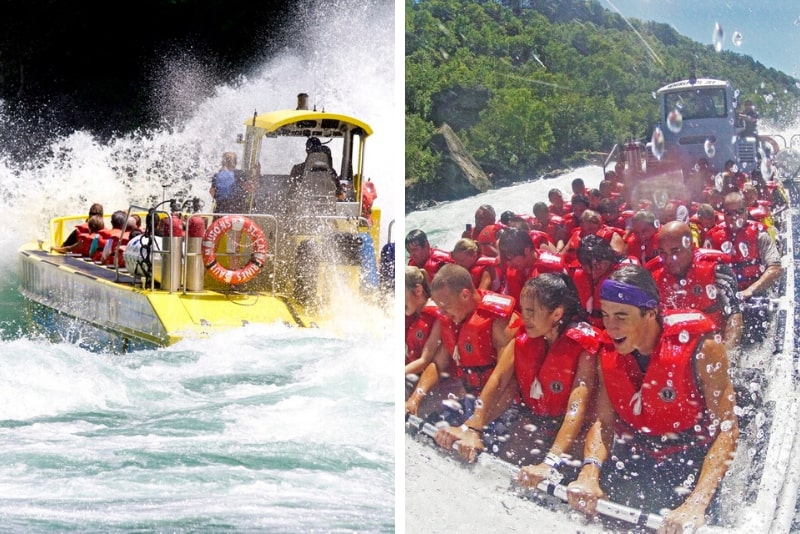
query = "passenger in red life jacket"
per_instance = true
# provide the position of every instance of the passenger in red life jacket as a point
(591, 224)
(553, 362)
(422, 255)
(664, 385)
(697, 279)
(578, 189)
(541, 241)
(702, 222)
(113, 236)
(72, 239)
(476, 325)
(758, 210)
(521, 261)
(597, 261)
(423, 329)
(611, 215)
(90, 242)
(642, 239)
(484, 216)
(755, 259)
(557, 205)
(484, 270)
(572, 219)
(551, 224)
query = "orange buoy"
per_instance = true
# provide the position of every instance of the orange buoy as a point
(212, 236)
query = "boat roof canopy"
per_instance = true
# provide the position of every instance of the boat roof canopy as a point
(689, 84)
(305, 123)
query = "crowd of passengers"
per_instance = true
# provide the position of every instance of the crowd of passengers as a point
(592, 339)
(93, 241)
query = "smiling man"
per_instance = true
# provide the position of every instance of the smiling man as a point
(665, 391)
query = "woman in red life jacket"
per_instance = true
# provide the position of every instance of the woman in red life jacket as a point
(88, 241)
(476, 325)
(597, 260)
(642, 240)
(422, 255)
(482, 268)
(553, 364)
(72, 239)
(664, 387)
(423, 330)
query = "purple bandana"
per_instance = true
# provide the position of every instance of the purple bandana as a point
(623, 293)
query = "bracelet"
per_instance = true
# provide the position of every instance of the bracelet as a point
(591, 460)
(464, 428)
(553, 460)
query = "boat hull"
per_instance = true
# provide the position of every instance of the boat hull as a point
(118, 308)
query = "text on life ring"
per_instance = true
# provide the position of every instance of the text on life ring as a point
(209, 249)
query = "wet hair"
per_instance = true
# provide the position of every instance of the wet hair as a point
(591, 216)
(637, 276)
(644, 216)
(453, 277)
(96, 209)
(417, 277)
(551, 290)
(580, 199)
(514, 241)
(541, 206)
(465, 245)
(96, 223)
(312, 142)
(416, 237)
(507, 216)
(118, 219)
(705, 210)
(596, 248)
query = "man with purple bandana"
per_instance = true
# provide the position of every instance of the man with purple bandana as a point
(664, 391)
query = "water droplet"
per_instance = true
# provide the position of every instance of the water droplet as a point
(657, 141)
(709, 148)
(736, 94)
(686, 242)
(726, 426)
(736, 38)
(620, 465)
(683, 337)
(768, 98)
(674, 121)
(682, 282)
(744, 250)
(727, 247)
(716, 37)
(711, 291)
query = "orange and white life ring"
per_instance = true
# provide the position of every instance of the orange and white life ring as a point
(208, 249)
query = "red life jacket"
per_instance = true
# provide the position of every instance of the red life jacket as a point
(742, 247)
(697, 290)
(435, 261)
(665, 399)
(539, 238)
(643, 252)
(470, 343)
(90, 245)
(418, 329)
(554, 227)
(485, 263)
(545, 375)
(547, 263)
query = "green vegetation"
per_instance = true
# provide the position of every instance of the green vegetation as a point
(563, 79)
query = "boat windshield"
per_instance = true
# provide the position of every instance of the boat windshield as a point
(697, 103)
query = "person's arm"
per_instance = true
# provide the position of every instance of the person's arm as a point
(770, 257)
(583, 387)
(585, 491)
(486, 280)
(495, 397)
(728, 302)
(720, 400)
(432, 344)
(618, 244)
(428, 380)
